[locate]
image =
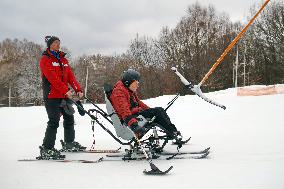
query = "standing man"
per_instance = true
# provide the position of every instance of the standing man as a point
(56, 75)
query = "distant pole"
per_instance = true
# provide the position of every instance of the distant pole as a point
(248, 83)
(9, 96)
(233, 74)
(245, 64)
(86, 84)
(236, 65)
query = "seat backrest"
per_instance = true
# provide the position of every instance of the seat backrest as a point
(121, 130)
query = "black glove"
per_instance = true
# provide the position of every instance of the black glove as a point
(67, 106)
(135, 127)
(80, 110)
(132, 122)
(138, 130)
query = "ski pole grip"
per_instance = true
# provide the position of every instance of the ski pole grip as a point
(183, 80)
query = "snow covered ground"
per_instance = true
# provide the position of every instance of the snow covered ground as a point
(246, 140)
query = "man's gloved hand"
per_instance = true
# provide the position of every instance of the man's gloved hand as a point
(80, 94)
(133, 125)
(67, 106)
(68, 94)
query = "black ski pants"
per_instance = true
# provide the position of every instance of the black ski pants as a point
(162, 119)
(54, 112)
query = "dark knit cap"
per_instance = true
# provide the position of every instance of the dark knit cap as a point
(50, 39)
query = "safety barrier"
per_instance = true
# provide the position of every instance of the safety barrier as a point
(260, 90)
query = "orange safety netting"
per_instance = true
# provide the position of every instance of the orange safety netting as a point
(260, 90)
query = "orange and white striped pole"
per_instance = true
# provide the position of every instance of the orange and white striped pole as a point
(221, 58)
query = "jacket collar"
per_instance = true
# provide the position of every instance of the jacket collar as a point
(48, 53)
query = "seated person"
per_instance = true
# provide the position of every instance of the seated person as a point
(128, 106)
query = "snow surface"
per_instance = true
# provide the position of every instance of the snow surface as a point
(246, 143)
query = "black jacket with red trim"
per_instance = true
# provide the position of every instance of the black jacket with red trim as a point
(56, 75)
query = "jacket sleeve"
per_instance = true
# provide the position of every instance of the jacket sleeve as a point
(142, 104)
(120, 103)
(72, 80)
(48, 71)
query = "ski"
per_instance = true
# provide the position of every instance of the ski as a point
(97, 151)
(65, 160)
(102, 151)
(172, 156)
(183, 153)
(167, 153)
(83, 161)
(122, 158)
(193, 156)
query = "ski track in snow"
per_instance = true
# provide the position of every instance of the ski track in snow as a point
(246, 143)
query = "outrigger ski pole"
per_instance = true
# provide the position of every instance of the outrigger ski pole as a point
(196, 89)
(154, 169)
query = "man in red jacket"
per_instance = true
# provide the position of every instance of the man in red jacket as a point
(56, 75)
(128, 106)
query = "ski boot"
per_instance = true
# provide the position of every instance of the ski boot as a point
(47, 154)
(72, 147)
(178, 139)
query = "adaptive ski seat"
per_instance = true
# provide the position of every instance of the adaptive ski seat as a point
(154, 141)
(122, 130)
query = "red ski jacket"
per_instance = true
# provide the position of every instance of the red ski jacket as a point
(125, 102)
(56, 75)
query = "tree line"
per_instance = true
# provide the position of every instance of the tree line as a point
(193, 45)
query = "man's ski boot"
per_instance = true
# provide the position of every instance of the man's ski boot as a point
(178, 139)
(47, 154)
(72, 147)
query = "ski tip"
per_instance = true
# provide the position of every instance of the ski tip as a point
(101, 159)
(172, 157)
(92, 161)
(205, 155)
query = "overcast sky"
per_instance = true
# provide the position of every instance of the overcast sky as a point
(100, 26)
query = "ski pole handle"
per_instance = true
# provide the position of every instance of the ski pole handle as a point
(183, 80)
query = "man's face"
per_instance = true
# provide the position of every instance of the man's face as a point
(55, 46)
(134, 86)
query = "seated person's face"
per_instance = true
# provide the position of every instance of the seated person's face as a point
(134, 86)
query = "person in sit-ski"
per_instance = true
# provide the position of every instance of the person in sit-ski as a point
(128, 106)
